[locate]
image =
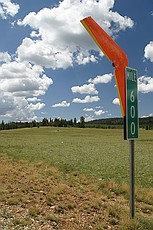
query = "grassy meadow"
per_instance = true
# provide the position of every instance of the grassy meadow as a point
(71, 178)
(95, 152)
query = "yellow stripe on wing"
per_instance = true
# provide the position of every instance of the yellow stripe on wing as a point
(89, 31)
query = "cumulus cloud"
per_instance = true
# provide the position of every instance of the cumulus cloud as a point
(5, 57)
(89, 118)
(85, 89)
(58, 40)
(99, 112)
(148, 51)
(6, 103)
(116, 101)
(96, 112)
(101, 79)
(83, 59)
(19, 81)
(37, 106)
(87, 99)
(7, 8)
(44, 54)
(33, 99)
(23, 80)
(62, 104)
(145, 84)
(15, 108)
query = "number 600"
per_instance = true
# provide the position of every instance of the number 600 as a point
(132, 112)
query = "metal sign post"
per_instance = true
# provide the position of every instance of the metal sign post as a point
(132, 180)
(131, 126)
(126, 81)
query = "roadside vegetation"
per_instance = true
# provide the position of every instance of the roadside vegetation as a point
(71, 178)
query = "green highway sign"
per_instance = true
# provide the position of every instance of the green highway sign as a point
(132, 123)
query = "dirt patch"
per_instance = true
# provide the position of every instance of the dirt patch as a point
(39, 196)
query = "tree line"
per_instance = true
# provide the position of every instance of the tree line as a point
(106, 123)
(112, 123)
(57, 122)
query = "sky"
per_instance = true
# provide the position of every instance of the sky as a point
(50, 66)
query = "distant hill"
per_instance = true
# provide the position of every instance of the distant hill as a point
(145, 123)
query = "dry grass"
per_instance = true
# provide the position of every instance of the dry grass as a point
(39, 196)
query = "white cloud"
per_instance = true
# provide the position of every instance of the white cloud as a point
(61, 41)
(148, 51)
(82, 59)
(17, 82)
(89, 118)
(15, 108)
(85, 89)
(34, 34)
(23, 80)
(88, 109)
(62, 104)
(101, 79)
(116, 101)
(7, 8)
(99, 107)
(33, 99)
(41, 53)
(150, 115)
(87, 99)
(37, 106)
(5, 57)
(6, 103)
(145, 84)
(99, 112)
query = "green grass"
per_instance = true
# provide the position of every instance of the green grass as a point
(38, 195)
(95, 152)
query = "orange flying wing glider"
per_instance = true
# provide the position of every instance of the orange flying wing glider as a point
(113, 52)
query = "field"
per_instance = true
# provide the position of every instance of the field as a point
(79, 179)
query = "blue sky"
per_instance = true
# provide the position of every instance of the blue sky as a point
(51, 67)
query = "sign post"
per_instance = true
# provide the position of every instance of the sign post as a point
(132, 180)
(131, 126)
(126, 81)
